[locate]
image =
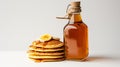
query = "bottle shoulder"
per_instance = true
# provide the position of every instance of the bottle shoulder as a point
(76, 25)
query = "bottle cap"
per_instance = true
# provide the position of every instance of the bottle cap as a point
(75, 4)
(73, 7)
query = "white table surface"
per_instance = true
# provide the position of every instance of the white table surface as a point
(20, 59)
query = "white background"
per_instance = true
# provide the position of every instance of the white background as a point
(23, 21)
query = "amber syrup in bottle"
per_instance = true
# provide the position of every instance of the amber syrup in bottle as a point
(76, 38)
(75, 34)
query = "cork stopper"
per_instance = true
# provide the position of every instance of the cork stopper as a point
(75, 4)
(73, 7)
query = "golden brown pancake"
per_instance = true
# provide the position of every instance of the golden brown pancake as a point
(31, 52)
(40, 56)
(48, 60)
(48, 51)
(31, 47)
(48, 44)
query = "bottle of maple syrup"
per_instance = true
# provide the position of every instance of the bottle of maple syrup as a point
(75, 34)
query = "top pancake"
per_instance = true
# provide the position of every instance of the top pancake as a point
(48, 44)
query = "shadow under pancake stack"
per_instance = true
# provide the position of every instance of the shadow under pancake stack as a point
(47, 49)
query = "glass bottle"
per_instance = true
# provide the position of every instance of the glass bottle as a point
(76, 35)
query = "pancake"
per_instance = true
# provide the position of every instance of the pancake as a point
(48, 51)
(31, 47)
(48, 44)
(48, 60)
(47, 57)
(31, 52)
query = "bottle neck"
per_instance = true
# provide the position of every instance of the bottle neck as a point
(75, 18)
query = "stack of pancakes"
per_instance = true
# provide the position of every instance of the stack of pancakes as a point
(52, 50)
